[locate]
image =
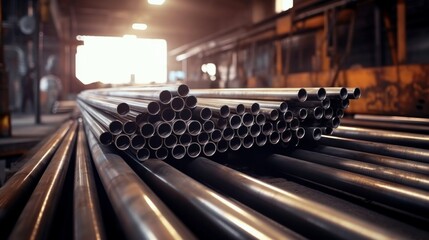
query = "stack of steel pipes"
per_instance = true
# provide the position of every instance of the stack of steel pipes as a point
(159, 121)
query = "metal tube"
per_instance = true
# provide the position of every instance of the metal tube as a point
(122, 142)
(411, 128)
(235, 107)
(354, 93)
(251, 105)
(272, 114)
(202, 206)
(181, 90)
(155, 142)
(185, 114)
(339, 113)
(397, 138)
(261, 140)
(103, 136)
(129, 127)
(228, 133)
(37, 215)
(209, 149)
(203, 113)
(19, 187)
(274, 138)
(267, 128)
(311, 104)
(121, 108)
(286, 136)
(415, 180)
(145, 216)
(313, 133)
(193, 127)
(294, 124)
(288, 116)
(222, 146)
(208, 126)
(147, 130)
(340, 103)
(328, 113)
(255, 130)
(305, 216)
(87, 221)
(247, 119)
(163, 129)
(168, 115)
(164, 96)
(203, 138)
(301, 113)
(137, 141)
(260, 119)
(185, 139)
(247, 141)
(300, 132)
(220, 123)
(397, 163)
(179, 126)
(234, 121)
(281, 106)
(177, 104)
(416, 154)
(280, 126)
(178, 151)
(279, 94)
(235, 143)
(191, 102)
(217, 109)
(242, 131)
(387, 193)
(216, 135)
(161, 153)
(394, 119)
(134, 104)
(316, 113)
(337, 92)
(170, 141)
(114, 125)
(193, 150)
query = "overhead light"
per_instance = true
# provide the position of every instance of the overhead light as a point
(156, 2)
(139, 26)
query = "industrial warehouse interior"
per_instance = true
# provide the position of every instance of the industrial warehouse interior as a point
(214, 119)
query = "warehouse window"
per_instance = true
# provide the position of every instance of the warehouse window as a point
(283, 5)
(121, 60)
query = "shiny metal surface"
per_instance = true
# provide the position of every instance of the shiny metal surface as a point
(19, 187)
(87, 220)
(286, 207)
(102, 134)
(402, 127)
(391, 194)
(279, 94)
(114, 126)
(36, 217)
(393, 119)
(113, 108)
(227, 219)
(141, 213)
(135, 104)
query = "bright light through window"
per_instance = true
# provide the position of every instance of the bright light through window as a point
(156, 2)
(283, 5)
(121, 60)
(139, 26)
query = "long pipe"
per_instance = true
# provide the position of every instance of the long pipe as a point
(36, 217)
(114, 126)
(135, 104)
(397, 163)
(390, 194)
(202, 207)
(394, 119)
(398, 138)
(164, 96)
(415, 180)
(87, 223)
(113, 108)
(103, 136)
(181, 90)
(305, 216)
(17, 189)
(402, 127)
(146, 216)
(416, 154)
(279, 94)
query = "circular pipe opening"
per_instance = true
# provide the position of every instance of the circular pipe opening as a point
(294, 124)
(240, 109)
(209, 149)
(234, 121)
(283, 106)
(106, 138)
(147, 130)
(194, 149)
(321, 94)
(161, 153)
(224, 111)
(177, 104)
(274, 114)
(203, 138)
(302, 95)
(191, 101)
(153, 108)
(122, 142)
(143, 154)
(345, 103)
(185, 139)
(206, 113)
(228, 133)
(260, 119)
(208, 126)
(183, 90)
(185, 114)
(235, 143)
(318, 112)
(326, 103)
(165, 96)
(242, 131)
(179, 127)
(300, 132)
(155, 142)
(141, 118)
(216, 135)
(168, 115)
(130, 127)
(288, 116)
(170, 141)
(123, 109)
(221, 123)
(222, 146)
(255, 130)
(138, 141)
(255, 108)
(281, 126)
(328, 113)
(247, 119)
(163, 129)
(115, 127)
(317, 134)
(261, 140)
(274, 138)
(335, 122)
(357, 93)
(286, 136)
(194, 127)
(248, 141)
(343, 93)
(267, 128)
(178, 152)
(303, 113)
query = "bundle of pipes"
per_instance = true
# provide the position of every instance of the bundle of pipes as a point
(165, 120)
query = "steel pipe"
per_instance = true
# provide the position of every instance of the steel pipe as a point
(216, 135)
(255, 130)
(185, 139)
(390, 194)
(137, 141)
(191, 102)
(402, 127)
(161, 153)
(113, 108)
(242, 131)
(145, 216)
(353, 93)
(143, 154)
(134, 104)
(177, 104)
(193, 127)
(398, 163)
(147, 130)
(103, 136)
(185, 114)
(271, 114)
(234, 121)
(203, 138)
(279, 94)
(394, 119)
(122, 142)
(202, 206)
(410, 179)
(87, 220)
(170, 141)
(163, 129)
(247, 141)
(260, 119)
(193, 150)
(114, 126)
(155, 142)
(337, 92)
(305, 216)
(178, 151)
(36, 217)
(247, 119)
(168, 115)
(235, 143)
(397, 138)
(261, 140)
(209, 149)
(208, 126)
(179, 126)
(222, 146)
(203, 113)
